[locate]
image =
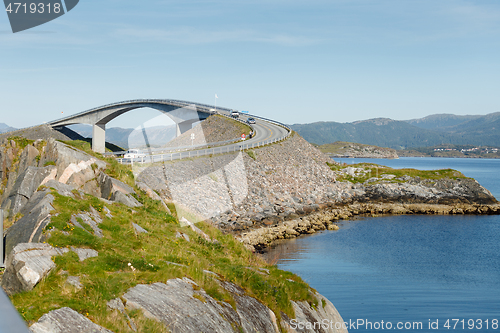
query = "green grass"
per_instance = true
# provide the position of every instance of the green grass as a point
(375, 170)
(251, 153)
(243, 128)
(20, 141)
(109, 275)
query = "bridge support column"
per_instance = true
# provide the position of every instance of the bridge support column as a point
(184, 127)
(99, 138)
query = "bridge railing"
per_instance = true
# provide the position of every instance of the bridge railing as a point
(167, 150)
(204, 107)
(197, 153)
(210, 151)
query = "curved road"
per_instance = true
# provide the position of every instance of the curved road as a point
(266, 132)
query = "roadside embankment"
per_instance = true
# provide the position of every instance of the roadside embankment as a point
(267, 186)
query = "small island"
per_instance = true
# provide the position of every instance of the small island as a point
(341, 149)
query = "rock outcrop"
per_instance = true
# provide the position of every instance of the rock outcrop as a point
(26, 196)
(323, 318)
(29, 263)
(65, 320)
(183, 307)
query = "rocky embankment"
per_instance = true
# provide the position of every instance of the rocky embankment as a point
(212, 130)
(37, 174)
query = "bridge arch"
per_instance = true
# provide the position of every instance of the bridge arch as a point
(183, 113)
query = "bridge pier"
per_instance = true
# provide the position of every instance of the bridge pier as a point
(99, 138)
(184, 114)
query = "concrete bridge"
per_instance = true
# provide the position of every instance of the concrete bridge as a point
(183, 113)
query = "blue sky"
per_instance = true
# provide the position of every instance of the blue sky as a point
(292, 61)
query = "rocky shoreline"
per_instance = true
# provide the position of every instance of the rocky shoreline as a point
(258, 240)
(290, 189)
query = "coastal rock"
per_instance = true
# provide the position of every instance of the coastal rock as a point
(323, 318)
(258, 239)
(68, 160)
(28, 158)
(62, 189)
(185, 223)
(138, 229)
(125, 199)
(25, 185)
(110, 185)
(66, 320)
(92, 222)
(74, 281)
(183, 308)
(28, 264)
(29, 228)
(84, 254)
(441, 191)
(146, 189)
(115, 190)
(341, 149)
(153, 195)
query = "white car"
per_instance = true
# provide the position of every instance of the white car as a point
(134, 153)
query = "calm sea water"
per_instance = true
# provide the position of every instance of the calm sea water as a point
(401, 269)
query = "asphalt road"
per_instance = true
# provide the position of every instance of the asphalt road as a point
(265, 132)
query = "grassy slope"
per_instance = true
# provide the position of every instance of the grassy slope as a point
(109, 275)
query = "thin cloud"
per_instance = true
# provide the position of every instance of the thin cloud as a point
(189, 35)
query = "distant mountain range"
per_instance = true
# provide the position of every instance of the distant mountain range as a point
(424, 132)
(433, 130)
(6, 128)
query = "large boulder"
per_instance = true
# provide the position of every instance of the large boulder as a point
(28, 158)
(115, 190)
(66, 320)
(125, 199)
(28, 264)
(35, 216)
(182, 308)
(65, 156)
(25, 185)
(323, 318)
(110, 185)
(30, 227)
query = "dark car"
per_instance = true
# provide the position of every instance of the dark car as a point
(251, 121)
